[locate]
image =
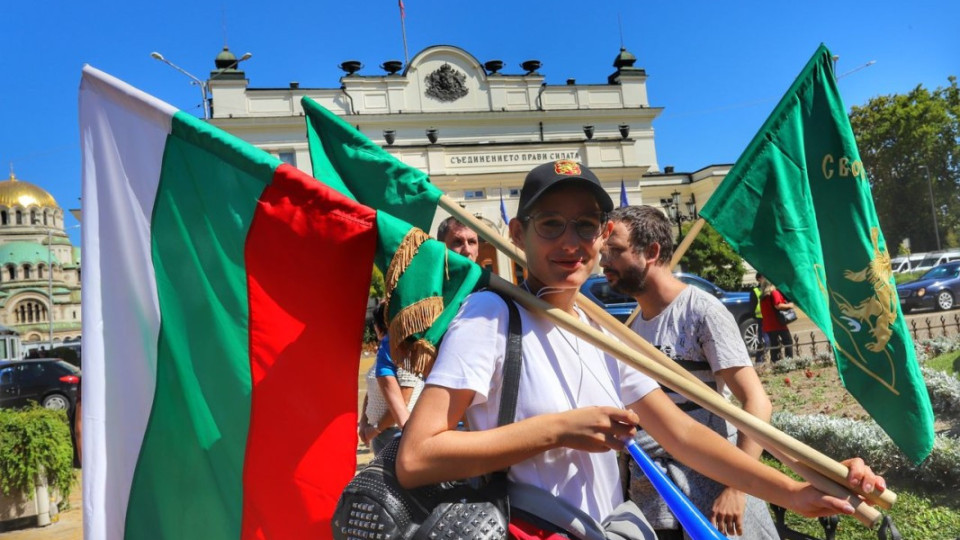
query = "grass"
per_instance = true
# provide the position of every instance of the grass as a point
(948, 363)
(917, 513)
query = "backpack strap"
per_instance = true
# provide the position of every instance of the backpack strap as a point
(512, 364)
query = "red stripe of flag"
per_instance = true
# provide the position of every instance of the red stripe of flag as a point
(306, 327)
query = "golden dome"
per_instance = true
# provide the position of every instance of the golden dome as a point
(15, 192)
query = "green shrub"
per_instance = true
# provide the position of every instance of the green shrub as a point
(841, 438)
(906, 277)
(32, 439)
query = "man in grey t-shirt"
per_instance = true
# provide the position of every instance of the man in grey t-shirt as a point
(695, 330)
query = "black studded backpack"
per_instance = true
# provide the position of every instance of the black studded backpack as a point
(374, 506)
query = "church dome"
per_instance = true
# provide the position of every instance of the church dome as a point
(24, 252)
(15, 192)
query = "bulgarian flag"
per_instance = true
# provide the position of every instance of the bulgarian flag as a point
(223, 317)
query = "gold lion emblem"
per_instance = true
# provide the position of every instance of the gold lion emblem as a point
(882, 305)
(566, 167)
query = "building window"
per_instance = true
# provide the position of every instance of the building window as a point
(514, 192)
(3, 217)
(30, 311)
(290, 158)
(474, 194)
(26, 272)
(74, 314)
(40, 271)
(12, 270)
(19, 217)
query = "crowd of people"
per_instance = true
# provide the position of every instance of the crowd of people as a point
(576, 404)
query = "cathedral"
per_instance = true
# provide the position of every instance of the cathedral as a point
(39, 269)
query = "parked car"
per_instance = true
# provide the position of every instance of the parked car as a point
(938, 288)
(50, 382)
(739, 304)
(936, 258)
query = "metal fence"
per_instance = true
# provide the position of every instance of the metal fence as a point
(815, 342)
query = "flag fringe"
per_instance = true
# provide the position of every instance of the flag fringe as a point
(421, 357)
(401, 260)
(413, 319)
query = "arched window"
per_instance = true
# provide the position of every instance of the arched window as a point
(12, 270)
(26, 271)
(33, 216)
(44, 217)
(19, 217)
(3, 217)
(40, 269)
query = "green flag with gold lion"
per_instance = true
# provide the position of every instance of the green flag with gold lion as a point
(797, 206)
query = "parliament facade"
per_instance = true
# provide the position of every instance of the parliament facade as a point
(477, 128)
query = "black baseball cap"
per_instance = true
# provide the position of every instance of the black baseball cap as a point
(563, 172)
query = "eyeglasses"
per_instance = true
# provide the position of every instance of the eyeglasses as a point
(552, 225)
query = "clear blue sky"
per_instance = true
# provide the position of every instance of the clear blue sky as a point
(717, 68)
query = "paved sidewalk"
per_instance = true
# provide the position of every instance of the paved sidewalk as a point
(69, 524)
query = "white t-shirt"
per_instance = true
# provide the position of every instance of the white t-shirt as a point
(560, 372)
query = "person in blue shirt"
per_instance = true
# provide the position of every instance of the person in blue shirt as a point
(391, 393)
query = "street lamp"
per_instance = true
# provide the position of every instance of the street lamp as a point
(204, 85)
(674, 212)
(49, 279)
(933, 208)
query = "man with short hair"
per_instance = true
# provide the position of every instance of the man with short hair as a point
(459, 238)
(696, 330)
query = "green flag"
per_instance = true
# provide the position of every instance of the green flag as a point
(425, 283)
(348, 161)
(797, 206)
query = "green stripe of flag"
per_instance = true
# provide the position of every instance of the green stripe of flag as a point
(186, 483)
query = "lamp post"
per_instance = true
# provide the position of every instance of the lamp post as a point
(674, 212)
(933, 208)
(204, 86)
(672, 205)
(49, 280)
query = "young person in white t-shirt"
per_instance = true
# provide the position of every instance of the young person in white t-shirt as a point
(694, 329)
(571, 411)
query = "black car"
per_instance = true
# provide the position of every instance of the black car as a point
(739, 304)
(938, 288)
(50, 382)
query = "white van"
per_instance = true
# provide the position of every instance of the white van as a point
(936, 258)
(906, 263)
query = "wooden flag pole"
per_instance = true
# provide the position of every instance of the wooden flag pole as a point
(685, 243)
(709, 399)
(761, 431)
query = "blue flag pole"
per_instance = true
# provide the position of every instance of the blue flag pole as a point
(623, 195)
(503, 209)
(693, 522)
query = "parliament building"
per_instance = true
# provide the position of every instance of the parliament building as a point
(477, 128)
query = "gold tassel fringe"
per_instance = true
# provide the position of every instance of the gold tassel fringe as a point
(401, 260)
(416, 317)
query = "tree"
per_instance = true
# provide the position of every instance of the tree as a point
(711, 257)
(377, 287)
(898, 136)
